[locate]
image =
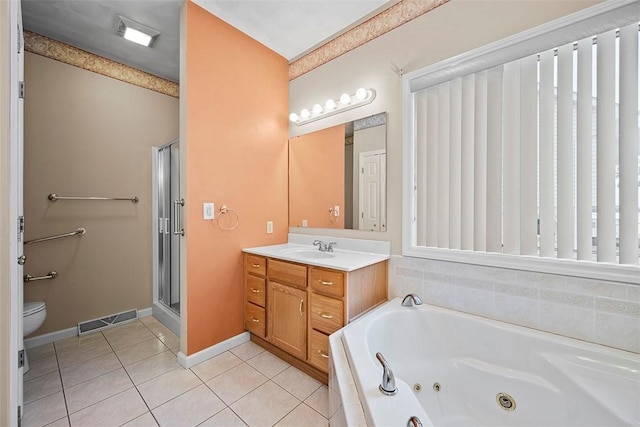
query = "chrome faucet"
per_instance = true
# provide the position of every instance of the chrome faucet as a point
(388, 385)
(322, 246)
(330, 246)
(411, 299)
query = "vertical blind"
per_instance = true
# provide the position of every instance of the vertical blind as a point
(538, 156)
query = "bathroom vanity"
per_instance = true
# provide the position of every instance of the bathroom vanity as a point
(296, 296)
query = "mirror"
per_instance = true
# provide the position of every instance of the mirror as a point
(337, 176)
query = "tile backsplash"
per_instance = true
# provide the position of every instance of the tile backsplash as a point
(598, 311)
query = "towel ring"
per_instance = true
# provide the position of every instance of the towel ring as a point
(225, 210)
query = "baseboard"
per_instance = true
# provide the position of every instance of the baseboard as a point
(50, 337)
(66, 333)
(209, 352)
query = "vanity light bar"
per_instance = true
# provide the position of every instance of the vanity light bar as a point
(344, 103)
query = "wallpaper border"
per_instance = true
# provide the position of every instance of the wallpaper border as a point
(53, 49)
(387, 20)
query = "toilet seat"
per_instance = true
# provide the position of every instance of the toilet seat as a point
(32, 308)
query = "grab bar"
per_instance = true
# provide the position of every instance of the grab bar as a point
(79, 232)
(30, 278)
(176, 217)
(53, 197)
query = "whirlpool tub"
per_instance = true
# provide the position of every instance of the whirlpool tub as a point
(457, 369)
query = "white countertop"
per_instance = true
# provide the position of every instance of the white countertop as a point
(339, 259)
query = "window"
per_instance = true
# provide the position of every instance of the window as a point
(525, 153)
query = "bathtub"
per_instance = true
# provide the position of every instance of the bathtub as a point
(457, 369)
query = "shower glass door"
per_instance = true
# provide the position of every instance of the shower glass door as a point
(169, 210)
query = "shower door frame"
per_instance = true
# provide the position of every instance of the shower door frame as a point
(168, 316)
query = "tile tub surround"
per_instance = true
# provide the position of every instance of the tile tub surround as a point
(597, 311)
(129, 375)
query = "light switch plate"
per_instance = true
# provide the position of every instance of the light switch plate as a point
(207, 211)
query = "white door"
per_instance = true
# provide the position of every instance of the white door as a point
(15, 205)
(371, 189)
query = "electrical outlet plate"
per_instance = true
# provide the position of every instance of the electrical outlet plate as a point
(269, 227)
(207, 211)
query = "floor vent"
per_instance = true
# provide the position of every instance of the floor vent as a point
(107, 322)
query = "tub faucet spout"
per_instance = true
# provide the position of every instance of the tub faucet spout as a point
(411, 299)
(388, 385)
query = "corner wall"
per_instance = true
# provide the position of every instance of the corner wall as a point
(89, 135)
(236, 155)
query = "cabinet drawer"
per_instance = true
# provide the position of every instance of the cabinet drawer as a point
(327, 282)
(256, 264)
(254, 319)
(326, 313)
(319, 354)
(289, 273)
(255, 290)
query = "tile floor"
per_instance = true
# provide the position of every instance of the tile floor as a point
(129, 376)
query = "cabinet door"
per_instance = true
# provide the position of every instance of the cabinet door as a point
(287, 318)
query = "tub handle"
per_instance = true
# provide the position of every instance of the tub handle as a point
(325, 282)
(254, 320)
(322, 354)
(300, 307)
(414, 422)
(326, 316)
(255, 291)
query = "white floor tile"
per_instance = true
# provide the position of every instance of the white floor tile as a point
(161, 389)
(97, 389)
(41, 367)
(216, 365)
(169, 339)
(42, 386)
(140, 351)
(303, 416)
(268, 364)
(265, 405)
(236, 382)
(113, 411)
(72, 343)
(297, 382)
(189, 409)
(91, 369)
(41, 351)
(247, 350)
(152, 367)
(62, 422)
(75, 355)
(128, 339)
(127, 328)
(225, 418)
(44, 411)
(320, 401)
(145, 420)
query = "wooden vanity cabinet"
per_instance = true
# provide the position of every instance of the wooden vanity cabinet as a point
(304, 304)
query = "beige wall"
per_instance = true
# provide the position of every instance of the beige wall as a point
(90, 135)
(451, 29)
(5, 279)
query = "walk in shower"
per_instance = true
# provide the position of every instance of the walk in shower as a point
(168, 231)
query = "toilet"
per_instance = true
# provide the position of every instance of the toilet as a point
(32, 318)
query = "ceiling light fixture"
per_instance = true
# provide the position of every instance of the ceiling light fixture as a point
(136, 32)
(344, 103)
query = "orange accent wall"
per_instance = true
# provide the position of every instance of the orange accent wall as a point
(316, 178)
(236, 154)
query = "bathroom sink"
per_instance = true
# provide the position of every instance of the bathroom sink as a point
(307, 253)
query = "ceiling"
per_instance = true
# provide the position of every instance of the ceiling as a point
(289, 27)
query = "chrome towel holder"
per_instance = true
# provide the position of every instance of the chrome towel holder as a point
(79, 232)
(29, 278)
(54, 197)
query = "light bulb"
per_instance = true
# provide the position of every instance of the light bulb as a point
(293, 117)
(317, 109)
(305, 114)
(330, 104)
(345, 99)
(361, 94)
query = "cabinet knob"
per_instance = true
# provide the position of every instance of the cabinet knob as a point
(255, 291)
(326, 316)
(325, 282)
(255, 265)
(322, 354)
(300, 307)
(254, 320)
